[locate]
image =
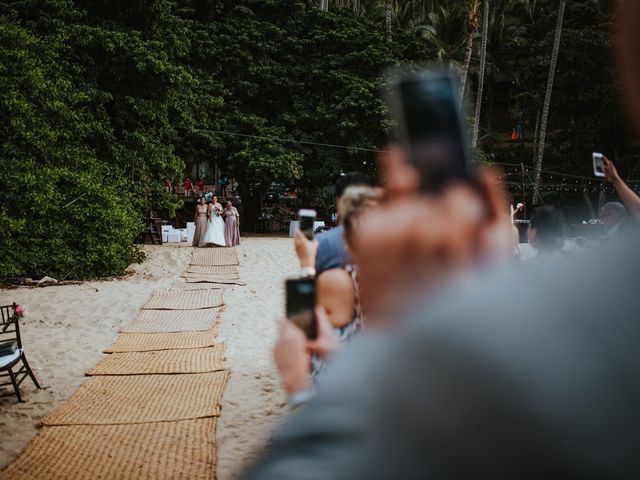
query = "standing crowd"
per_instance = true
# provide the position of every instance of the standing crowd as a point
(439, 354)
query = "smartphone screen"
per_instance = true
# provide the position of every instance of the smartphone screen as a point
(598, 164)
(432, 128)
(307, 219)
(301, 302)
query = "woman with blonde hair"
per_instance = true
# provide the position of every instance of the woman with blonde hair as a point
(337, 289)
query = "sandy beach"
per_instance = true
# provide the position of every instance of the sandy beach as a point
(253, 400)
(67, 327)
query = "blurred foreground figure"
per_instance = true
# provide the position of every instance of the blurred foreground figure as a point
(526, 375)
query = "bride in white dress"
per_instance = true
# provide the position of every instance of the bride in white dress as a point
(215, 225)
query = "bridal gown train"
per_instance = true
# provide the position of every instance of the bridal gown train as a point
(215, 231)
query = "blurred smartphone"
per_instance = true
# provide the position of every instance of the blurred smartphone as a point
(301, 302)
(431, 127)
(598, 164)
(307, 218)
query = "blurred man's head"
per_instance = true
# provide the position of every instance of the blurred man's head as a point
(546, 230)
(613, 214)
(349, 180)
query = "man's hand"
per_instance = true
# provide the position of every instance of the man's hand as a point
(326, 342)
(610, 171)
(416, 239)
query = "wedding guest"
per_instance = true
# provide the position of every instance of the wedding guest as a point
(331, 250)
(200, 219)
(546, 233)
(612, 216)
(231, 225)
(336, 289)
(208, 196)
(187, 188)
(628, 196)
(200, 187)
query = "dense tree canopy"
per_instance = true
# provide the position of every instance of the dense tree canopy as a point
(102, 101)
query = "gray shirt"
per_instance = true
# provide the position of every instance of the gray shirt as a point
(531, 374)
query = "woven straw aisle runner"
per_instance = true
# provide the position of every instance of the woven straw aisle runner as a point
(200, 360)
(145, 342)
(149, 451)
(149, 410)
(154, 321)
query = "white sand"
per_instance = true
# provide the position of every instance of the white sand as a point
(253, 400)
(65, 330)
(67, 327)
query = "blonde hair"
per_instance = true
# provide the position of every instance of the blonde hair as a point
(354, 201)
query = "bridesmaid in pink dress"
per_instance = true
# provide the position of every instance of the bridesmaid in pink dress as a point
(231, 225)
(200, 220)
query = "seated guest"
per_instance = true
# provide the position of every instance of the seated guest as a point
(612, 216)
(208, 195)
(331, 249)
(546, 232)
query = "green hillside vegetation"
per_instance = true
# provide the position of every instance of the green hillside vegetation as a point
(102, 101)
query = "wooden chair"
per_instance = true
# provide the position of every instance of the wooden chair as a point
(10, 334)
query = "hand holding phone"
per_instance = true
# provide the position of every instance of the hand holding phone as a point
(301, 303)
(307, 218)
(431, 127)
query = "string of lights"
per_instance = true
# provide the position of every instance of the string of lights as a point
(569, 182)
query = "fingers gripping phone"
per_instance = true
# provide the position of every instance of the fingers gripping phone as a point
(428, 114)
(598, 164)
(307, 219)
(301, 303)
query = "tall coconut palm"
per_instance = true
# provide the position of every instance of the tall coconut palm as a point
(547, 102)
(445, 31)
(481, 73)
(473, 6)
(389, 19)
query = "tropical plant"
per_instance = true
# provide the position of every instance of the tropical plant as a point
(547, 102)
(481, 74)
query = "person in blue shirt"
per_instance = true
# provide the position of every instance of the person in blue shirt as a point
(332, 252)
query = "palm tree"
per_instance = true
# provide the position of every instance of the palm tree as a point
(388, 19)
(481, 73)
(547, 102)
(444, 30)
(473, 6)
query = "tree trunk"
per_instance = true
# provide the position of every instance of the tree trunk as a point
(483, 65)
(388, 20)
(465, 66)
(547, 103)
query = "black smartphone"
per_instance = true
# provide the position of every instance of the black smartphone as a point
(301, 304)
(307, 218)
(431, 127)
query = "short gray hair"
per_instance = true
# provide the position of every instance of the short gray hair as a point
(618, 209)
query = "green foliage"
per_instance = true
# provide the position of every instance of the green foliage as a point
(62, 212)
(104, 100)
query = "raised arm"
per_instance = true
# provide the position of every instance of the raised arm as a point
(627, 196)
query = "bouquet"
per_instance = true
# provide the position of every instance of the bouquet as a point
(217, 211)
(20, 310)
